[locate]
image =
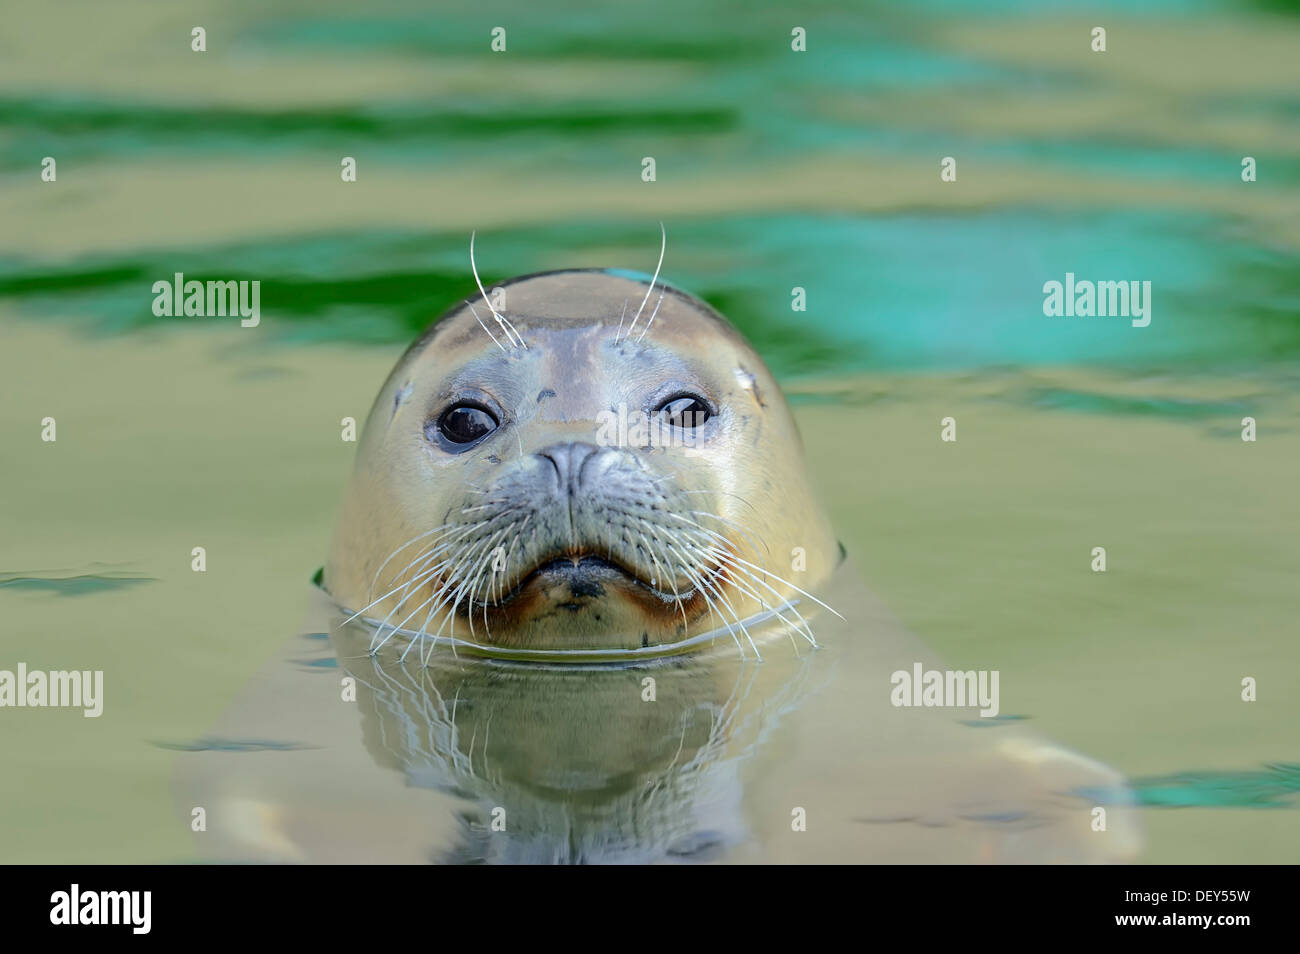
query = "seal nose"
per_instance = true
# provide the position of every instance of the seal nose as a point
(568, 460)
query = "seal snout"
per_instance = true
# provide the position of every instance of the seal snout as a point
(584, 528)
(570, 461)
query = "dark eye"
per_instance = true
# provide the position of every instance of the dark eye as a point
(685, 410)
(463, 425)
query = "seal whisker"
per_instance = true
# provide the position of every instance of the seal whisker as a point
(717, 591)
(425, 576)
(489, 548)
(756, 543)
(386, 595)
(438, 601)
(421, 536)
(500, 578)
(663, 246)
(375, 647)
(658, 572)
(398, 627)
(672, 582)
(651, 321)
(730, 523)
(427, 570)
(420, 568)
(421, 634)
(725, 553)
(704, 590)
(730, 609)
(727, 493)
(486, 328)
(469, 558)
(620, 322)
(506, 326)
(500, 507)
(802, 627)
(380, 600)
(781, 579)
(426, 653)
(456, 583)
(714, 612)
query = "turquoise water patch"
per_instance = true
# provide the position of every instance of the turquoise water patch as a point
(903, 292)
(1276, 786)
(741, 90)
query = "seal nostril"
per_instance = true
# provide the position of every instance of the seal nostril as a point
(559, 471)
(580, 464)
(568, 461)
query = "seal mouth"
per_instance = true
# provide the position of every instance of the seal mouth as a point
(572, 580)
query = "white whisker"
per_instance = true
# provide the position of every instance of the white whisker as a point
(663, 246)
(512, 335)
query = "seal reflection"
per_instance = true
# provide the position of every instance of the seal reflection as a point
(573, 764)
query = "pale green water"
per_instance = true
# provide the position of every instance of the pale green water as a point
(774, 171)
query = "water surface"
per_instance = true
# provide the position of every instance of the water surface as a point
(776, 170)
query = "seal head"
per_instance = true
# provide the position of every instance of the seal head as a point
(583, 461)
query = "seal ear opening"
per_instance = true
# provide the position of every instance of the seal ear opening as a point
(319, 576)
(844, 554)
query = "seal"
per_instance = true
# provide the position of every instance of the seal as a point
(587, 466)
(587, 461)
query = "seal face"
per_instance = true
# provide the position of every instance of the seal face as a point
(562, 470)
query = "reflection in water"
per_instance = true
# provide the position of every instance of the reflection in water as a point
(694, 758)
(575, 764)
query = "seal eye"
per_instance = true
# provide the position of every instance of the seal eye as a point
(463, 425)
(685, 411)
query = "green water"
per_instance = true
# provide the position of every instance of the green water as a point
(775, 170)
